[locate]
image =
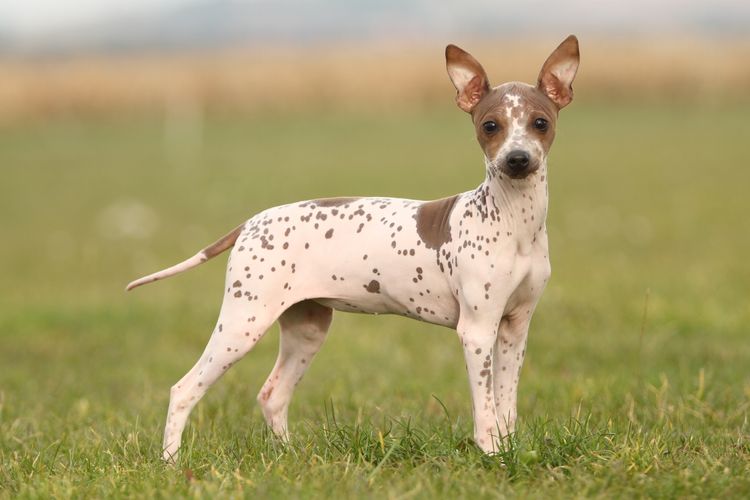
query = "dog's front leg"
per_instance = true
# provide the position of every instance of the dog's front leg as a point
(509, 352)
(478, 337)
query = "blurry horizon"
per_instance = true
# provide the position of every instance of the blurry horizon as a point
(195, 56)
(48, 27)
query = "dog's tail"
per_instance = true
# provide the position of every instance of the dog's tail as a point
(225, 242)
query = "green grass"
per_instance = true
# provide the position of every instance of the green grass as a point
(636, 381)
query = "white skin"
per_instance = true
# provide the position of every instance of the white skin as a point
(476, 262)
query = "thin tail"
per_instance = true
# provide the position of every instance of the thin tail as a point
(225, 242)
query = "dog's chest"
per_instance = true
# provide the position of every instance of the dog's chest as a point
(501, 244)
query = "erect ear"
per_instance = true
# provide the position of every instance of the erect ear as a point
(558, 72)
(467, 76)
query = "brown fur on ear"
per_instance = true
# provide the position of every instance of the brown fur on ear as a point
(467, 76)
(557, 74)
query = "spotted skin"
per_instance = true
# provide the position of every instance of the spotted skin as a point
(476, 262)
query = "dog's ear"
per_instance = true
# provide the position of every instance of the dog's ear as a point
(558, 72)
(467, 76)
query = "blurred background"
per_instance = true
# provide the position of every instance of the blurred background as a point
(134, 133)
(114, 115)
(187, 57)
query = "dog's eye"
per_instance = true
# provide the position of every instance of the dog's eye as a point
(541, 124)
(490, 127)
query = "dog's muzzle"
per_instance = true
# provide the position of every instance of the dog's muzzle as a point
(518, 165)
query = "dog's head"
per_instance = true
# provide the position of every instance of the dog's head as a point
(515, 122)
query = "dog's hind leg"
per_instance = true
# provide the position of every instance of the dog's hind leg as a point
(303, 330)
(237, 331)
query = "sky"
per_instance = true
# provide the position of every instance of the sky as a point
(38, 17)
(32, 17)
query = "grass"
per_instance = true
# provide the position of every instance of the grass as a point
(636, 379)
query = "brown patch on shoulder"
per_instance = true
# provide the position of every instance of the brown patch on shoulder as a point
(334, 202)
(373, 286)
(225, 242)
(433, 221)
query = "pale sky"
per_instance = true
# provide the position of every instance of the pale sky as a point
(35, 17)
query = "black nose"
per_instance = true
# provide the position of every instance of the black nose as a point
(517, 160)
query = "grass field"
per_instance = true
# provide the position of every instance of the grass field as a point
(637, 378)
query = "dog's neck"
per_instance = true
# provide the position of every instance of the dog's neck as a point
(523, 202)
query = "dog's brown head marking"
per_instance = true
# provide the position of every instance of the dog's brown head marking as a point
(514, 122)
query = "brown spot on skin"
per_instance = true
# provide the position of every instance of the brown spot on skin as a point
(334, 202)
(433, 221)
(373, 286)
(329, 233)
(267, 394)
(226, 241)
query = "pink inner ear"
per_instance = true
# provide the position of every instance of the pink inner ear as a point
(565, 71)
(557, 91)
(472, 93)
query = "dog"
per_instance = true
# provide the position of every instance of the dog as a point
(476, 262)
